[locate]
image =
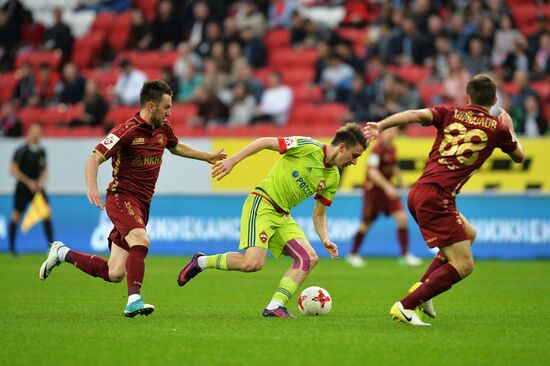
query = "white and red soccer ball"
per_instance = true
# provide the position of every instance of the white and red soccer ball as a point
(314, 300)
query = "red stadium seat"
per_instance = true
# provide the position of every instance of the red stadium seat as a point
(122, 29)
(53, 58)
(542, 87)
(428, 91)
(148, 7)
(148, 60)
(30, 115)
(287, 57)
(308, 93)
(355, 35)
(412, 74)
(331, 114)
(119, 115)
(277, 38)
(181, 112)
(8, 82)
(303, 115)
(103, 22)
(87, 50)
(296, 77)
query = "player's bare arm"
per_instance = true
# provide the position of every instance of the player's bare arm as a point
(187, 151)
(22, 177)
(373, 129)
(518, 155)
(320, 222)
(223, 168)
(90, 173)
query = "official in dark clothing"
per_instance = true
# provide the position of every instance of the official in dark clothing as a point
(29, 168)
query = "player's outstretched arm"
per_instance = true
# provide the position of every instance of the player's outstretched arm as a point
(518, 155)
(373, 129)
(188, 151)
(223, 168)
(320, 222)
(90, 174)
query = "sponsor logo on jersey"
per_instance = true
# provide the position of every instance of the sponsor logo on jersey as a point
(138, 141)
(290, 142)
(302, 183)
(147, 160)
(110, 141)
(321, 186)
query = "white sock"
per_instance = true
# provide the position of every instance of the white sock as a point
(274, 304)
(132, 298)
(62, 252)
(202, 261)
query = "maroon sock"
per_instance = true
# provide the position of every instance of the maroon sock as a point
(357, 240)
(90, 264)
(403, 236)
(439, 281)
(135, 268)
(439, 260)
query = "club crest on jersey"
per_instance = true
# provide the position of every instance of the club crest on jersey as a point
(263, 236)
(160, 139)
(110, 141)
(321, 186)
(138, 141)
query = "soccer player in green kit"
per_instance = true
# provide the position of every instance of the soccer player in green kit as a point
(306, 168)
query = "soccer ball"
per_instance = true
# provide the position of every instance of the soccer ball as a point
(314, 300)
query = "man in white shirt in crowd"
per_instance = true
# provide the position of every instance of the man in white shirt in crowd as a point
(275, 102)
(128, 84)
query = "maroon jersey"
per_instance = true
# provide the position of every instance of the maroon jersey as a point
(466, 137)
(136, 149)
(385, 159)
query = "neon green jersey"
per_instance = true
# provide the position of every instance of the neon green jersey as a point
(300, 173)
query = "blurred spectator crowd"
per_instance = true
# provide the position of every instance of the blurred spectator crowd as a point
(235, 65)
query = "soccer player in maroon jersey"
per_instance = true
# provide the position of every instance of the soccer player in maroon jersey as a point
(380, 195)
(466, 137)
(135, 148)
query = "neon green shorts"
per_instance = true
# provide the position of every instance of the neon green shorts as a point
(262, 226)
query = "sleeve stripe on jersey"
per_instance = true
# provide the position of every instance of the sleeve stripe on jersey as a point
(323, 200)
(282, 145)
(309, 142)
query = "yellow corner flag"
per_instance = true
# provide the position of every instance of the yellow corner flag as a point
(38, 211)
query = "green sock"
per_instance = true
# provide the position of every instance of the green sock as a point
(287, 288)
(218, 261)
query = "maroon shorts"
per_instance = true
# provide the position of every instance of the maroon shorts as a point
(376, 201)
(126, 213)
(434, 209)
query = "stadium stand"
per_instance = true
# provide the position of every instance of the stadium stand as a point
(102, 41)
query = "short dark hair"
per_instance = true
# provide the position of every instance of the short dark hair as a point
(152, 91)
(350, 134)
(482, 90)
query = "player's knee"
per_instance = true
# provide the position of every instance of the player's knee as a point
(116, 275)
(313, 260)
(252, 266)
(472, 234)
(468, 267)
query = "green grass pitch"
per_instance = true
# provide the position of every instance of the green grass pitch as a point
(498, 316)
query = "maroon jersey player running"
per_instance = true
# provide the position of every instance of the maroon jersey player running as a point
(135, 148)
(466, 137)
(380, 196)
